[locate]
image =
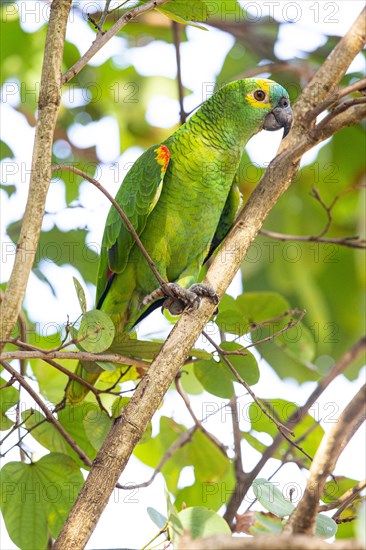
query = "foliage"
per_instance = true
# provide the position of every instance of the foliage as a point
(280, 280)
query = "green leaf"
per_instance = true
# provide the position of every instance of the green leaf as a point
(106, 365)
(8, 398)
(180, 20)
(150, 453)
(211, 471)
(257, 307)
(80, 294)
(230, 317)
(187, 10)
(175, 527)
(337, 487)
(308, 430)
(9, 189)
(119, 404)
(156, 517)
(217, 378)
(60, 248)
(96, 332)
(37, 498)
(201, 522)
(214, 378)
(254, 442)
(72, 419)
(97, 425)
(271, 498)
(325, 526)
(6, 152)
(208, 493)
(44, 432)
(189, 381)
(266, 523)
(245, 365)
(145, 349)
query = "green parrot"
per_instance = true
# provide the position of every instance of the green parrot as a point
(181, 198)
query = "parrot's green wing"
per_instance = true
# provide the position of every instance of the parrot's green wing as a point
(137, 197)
(229, 213)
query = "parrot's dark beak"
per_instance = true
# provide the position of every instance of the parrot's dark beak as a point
(280, 117)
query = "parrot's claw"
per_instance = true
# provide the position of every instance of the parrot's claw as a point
(182, 299)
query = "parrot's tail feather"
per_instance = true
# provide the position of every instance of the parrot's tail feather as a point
(75, 391)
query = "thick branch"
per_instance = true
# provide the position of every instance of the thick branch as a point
(266, 542)
(129, 427)
(330, 73)
(304, 516)
(48, 106)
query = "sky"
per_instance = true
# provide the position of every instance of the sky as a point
(202, 57)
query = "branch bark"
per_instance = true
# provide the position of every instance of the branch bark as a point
(303, 519)
(266, 542)
(48, 106)
(74, 356)
(129, 427)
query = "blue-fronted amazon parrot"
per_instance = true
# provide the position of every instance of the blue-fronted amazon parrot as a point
(181, 197)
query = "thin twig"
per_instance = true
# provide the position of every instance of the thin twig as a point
(345, 500)
(297, 416)
(102, 39)
(349, 242)
(47, 359)
(104, 16)
(291, 324)
(345, 105)
(238, 460)
(47, 413)
(278, 424)
(328, 209)
(197, 422)
(183, 439)
(177, 30)
(336, 96)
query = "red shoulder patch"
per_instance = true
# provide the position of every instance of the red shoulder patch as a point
(163, 156)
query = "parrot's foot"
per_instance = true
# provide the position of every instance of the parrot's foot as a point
(183, 298)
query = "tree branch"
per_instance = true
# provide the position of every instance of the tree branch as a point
(345, 499)
(349, 242)
(47, 413)
(74, 355)
(303, 519)
(103, 38)
(197, 422)
(48, 106)
(177, 29)
(342, 364)
(266, 542)
(281, 427)
(125, 219)
(178, 444)
(129, 427)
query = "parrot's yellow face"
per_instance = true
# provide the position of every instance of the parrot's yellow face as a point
(264, 94)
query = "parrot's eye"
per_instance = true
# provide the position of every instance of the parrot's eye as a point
(259, 95)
